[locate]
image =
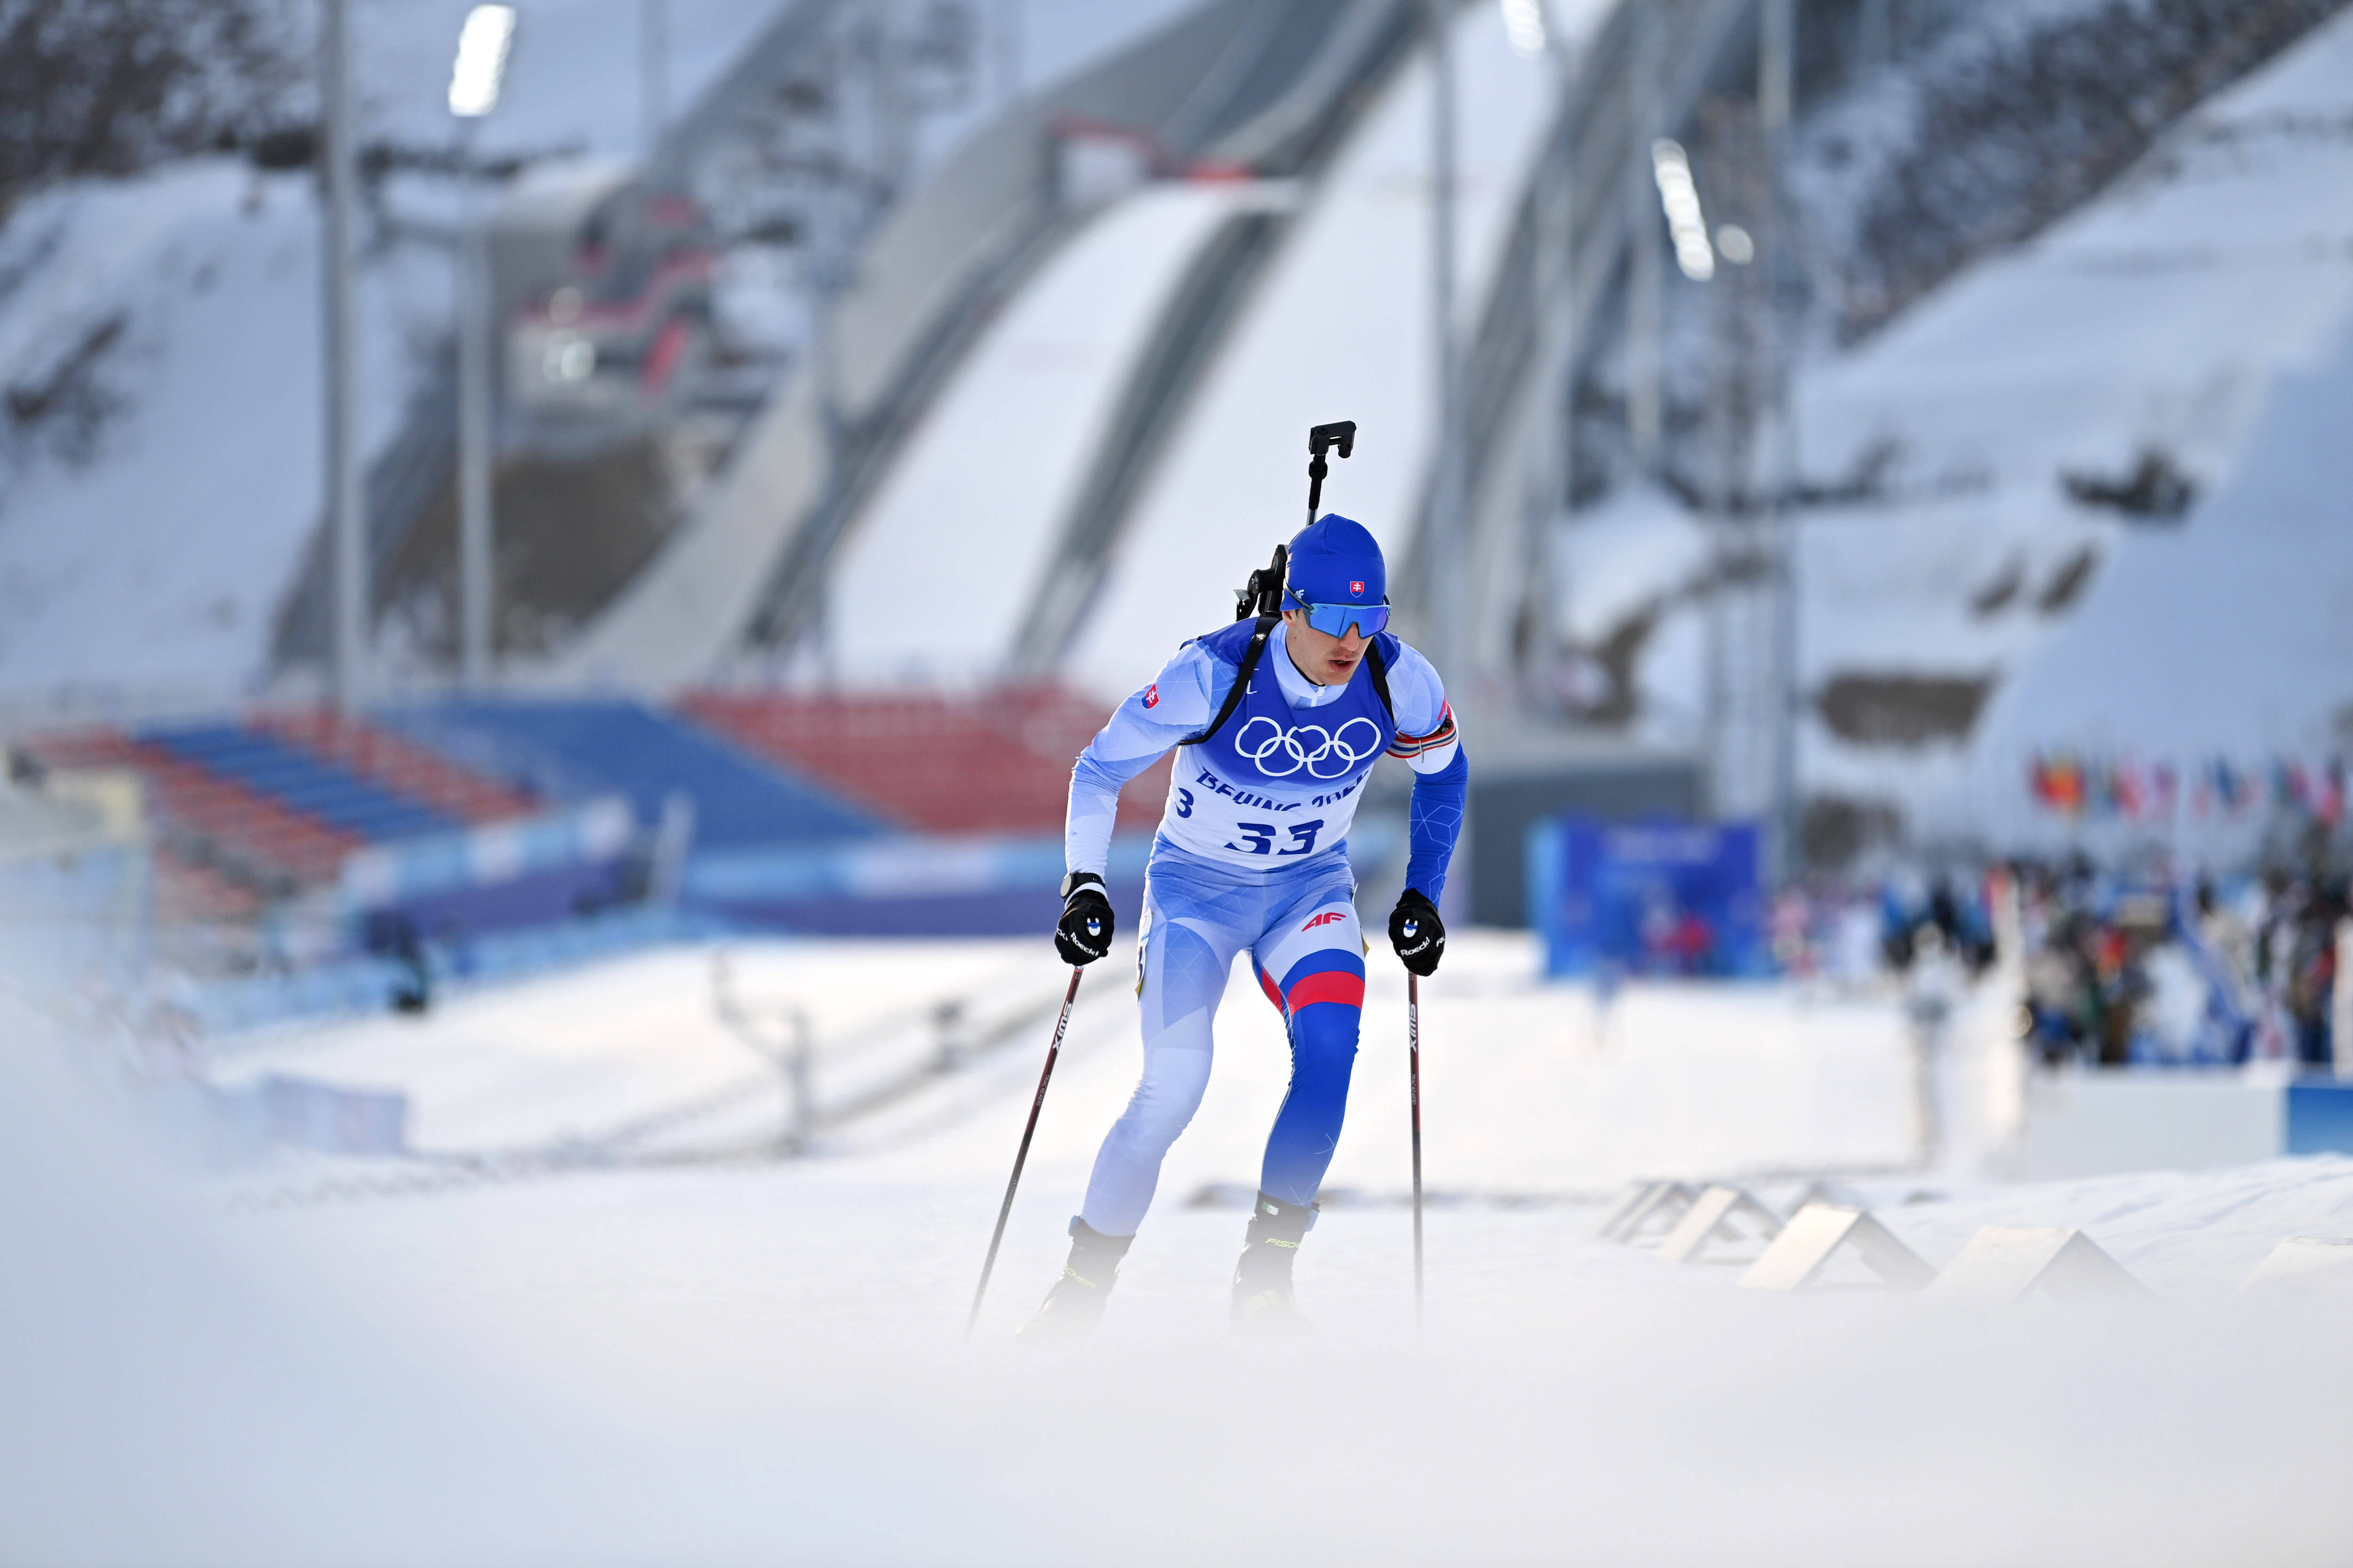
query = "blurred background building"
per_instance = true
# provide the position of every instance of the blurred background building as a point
(1909, 428)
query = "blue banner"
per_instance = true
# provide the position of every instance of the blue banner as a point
(1656, 897)
(498, 875)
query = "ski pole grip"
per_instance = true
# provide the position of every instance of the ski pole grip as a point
(1341, 434)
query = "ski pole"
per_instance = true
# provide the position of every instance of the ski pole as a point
(1021, 1158)
(1413, 1080)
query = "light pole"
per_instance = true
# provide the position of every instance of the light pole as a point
(1552, 304)
(1446, 489)
(474, 82)
(1007, 52)
(1643, 304)
(653, 76)
(348, 565)
(1874, 35)
(1776, 74)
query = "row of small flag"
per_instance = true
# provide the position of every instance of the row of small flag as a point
(2075, 785)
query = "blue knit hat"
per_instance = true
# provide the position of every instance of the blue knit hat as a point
(1336, 560)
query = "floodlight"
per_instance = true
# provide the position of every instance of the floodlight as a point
(481, 60)
(1679, 197)
(1524, 24)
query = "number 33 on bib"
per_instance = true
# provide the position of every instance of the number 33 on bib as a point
(1266, 785)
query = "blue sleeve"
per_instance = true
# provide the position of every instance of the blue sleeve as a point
(1423, 719)
(1180, 702)
(1433, 822)
(1427, 742)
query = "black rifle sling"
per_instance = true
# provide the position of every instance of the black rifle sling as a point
(1266, 624)
(1374, 666)
(1380, 674)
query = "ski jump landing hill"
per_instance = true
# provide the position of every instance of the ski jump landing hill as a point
(1229, 87)
(1072, 411)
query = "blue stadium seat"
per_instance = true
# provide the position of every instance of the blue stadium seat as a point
(269, 767)
(577, 750)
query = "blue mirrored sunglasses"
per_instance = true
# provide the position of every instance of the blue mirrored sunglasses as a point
(1334, 620)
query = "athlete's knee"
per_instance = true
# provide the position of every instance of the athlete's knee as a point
(1324, 1040)
(1165, 1098)
(1153, 1117)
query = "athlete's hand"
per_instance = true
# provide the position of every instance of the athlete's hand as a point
(1417, 932)
(1083, 933)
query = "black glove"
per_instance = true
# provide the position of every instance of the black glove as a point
(1083, 933)
(1417, 932)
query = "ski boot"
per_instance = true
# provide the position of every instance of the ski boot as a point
(1263, 1301)
(1075, 1304)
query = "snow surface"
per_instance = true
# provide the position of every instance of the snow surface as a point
(2234, 636)
(1546, 1097)
(1627, 554)
(757, 1361)
(1636, 555)
(160, 563)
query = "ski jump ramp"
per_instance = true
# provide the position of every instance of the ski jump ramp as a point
(751, 571)
(1072, 429)
(966, 522)
(1341, 329)
(1338, 325)
(1070, 425)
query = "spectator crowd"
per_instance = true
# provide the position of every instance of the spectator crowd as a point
(2120, 968)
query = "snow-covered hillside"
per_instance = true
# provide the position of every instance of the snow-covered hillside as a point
(144, 563)
(182, 308)
(1986, 575)
(163, 332)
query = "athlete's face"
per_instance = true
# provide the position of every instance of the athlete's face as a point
(1324, 659)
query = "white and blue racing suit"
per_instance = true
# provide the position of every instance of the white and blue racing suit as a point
(1251, 856)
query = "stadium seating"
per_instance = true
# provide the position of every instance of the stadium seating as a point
(246, 813)
(190, 892)
(221, 829)
(578, 750)
(399, 766)
(250, 811)
(996, 763)
(301, 779)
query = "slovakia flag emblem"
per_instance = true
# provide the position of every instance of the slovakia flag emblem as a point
(1152, 695)
(1356, 590)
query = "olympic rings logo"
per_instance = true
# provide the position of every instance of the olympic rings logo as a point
(1280, 743)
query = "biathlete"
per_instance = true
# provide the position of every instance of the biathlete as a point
(1251, 856)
